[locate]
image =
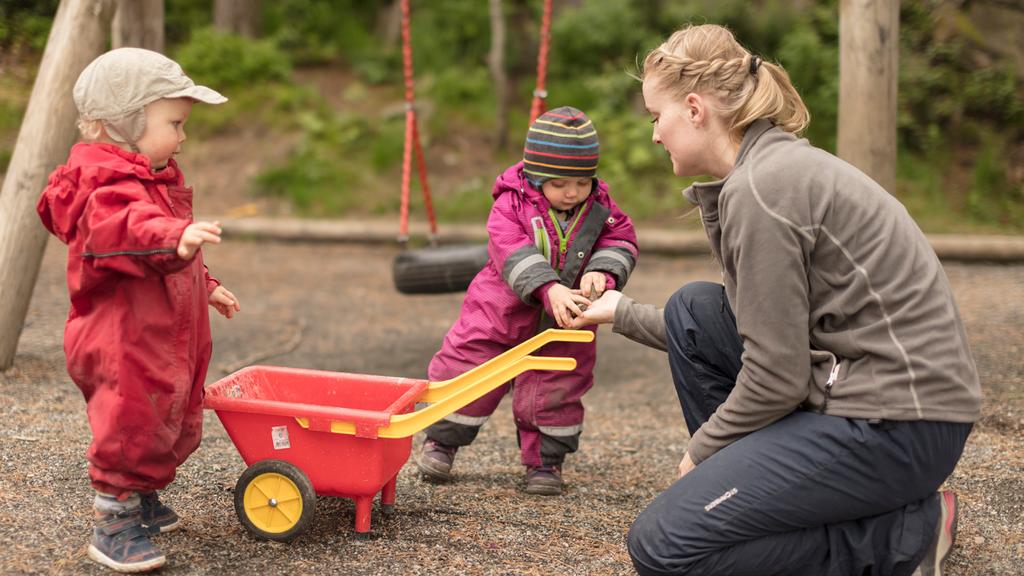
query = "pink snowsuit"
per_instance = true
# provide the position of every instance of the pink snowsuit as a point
(505, 305)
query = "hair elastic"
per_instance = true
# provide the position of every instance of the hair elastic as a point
(755, 62)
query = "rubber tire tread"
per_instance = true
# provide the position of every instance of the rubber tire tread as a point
(438, 270)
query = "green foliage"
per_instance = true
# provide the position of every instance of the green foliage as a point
(960, 115)
(448, 33)
(225, 60)
(465, 93)
(812, 63)
(26, 23)
(993, 198)
(596, 36)
(470, 202)
(332, 167)
(10, 115)
(182, 17)
(318, 31)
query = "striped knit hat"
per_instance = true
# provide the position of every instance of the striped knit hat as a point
(562, 143)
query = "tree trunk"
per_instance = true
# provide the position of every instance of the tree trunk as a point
(240, 17)
(79, 34)
(868, 74)
(389, 24)
(496, 62)
(139, 23)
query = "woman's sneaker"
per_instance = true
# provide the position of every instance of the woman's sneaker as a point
(157, 517)
(939, 550)
(544, 480)
(435, 461)
(120, 543)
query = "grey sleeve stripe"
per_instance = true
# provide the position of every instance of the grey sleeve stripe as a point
(466, 420)
(561, 430)
(521, 266)
(614, 255)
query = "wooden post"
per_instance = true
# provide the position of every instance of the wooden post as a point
(79, 34)
(139, 23)
(496, 62)
(240, 17)
(868, 73)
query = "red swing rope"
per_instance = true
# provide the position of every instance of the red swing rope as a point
(412, 139)
(412, 133)
(538, 106)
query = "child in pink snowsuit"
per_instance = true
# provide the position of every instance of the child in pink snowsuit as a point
(553, 228)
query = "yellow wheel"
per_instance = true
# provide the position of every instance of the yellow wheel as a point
(274, 500)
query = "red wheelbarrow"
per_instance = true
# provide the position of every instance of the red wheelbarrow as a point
(309, 432)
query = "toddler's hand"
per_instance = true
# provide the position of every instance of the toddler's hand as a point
(195, 235)
(224, 301)
(600, 311)
(564, 304)
(592, 285)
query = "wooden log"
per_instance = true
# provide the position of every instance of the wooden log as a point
(79, 34)
(140, 24)
(868, 73)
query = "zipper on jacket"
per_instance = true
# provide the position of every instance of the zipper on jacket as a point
(828, 385)
(563, 237)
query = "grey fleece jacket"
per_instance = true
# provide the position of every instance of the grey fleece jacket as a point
(841, 303)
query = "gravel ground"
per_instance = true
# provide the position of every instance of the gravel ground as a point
(332, 307)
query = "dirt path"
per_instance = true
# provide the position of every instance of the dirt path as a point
(332, 307)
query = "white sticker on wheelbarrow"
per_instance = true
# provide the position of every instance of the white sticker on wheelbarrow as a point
(280, 436)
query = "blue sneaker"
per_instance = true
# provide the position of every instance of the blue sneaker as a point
(120, 543)
(157, 517)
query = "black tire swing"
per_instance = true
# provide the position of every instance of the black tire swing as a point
(442, 269)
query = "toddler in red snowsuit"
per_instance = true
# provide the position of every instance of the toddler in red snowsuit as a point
(137, 339)
(553, 228)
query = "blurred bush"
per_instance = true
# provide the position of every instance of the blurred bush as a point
(960, 117)
(226, 60)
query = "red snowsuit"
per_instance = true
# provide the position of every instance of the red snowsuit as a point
(506, 304)
(137, 339)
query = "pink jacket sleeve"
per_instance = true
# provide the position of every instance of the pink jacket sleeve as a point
(615, 252)
(513, 252)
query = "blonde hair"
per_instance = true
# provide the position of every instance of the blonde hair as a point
(126, 129)
(707, 59)
(91, 130)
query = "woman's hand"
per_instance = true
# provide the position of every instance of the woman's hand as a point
(564, 304)
(224, 301)
(685, 465)
(600, 311)
(195, 235)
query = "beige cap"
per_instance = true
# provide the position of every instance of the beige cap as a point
(117, 85)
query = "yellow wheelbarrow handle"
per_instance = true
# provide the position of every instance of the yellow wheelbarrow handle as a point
(450, 395)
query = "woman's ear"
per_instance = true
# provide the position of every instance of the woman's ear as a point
(695, 109)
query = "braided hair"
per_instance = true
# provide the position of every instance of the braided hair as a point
(707, 59)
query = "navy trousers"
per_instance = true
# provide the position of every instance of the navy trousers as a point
(808, 495)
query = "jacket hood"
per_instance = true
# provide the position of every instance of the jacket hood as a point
(513, 180)
(91, 166)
